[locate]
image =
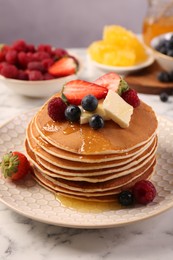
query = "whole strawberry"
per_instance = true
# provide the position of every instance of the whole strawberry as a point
(131, 97)
(14, 165)
(56, 109)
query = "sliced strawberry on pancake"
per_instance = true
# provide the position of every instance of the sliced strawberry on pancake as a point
(75, 90)
(109, 80)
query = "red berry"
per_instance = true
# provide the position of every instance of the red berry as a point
(59, 53)
(9, 71)
(47, 63)
(35, 75)
(11, 56)
(45, 48)
(22, 75)
(56, 109)
(19, 45)
(35, 65)
(15, 165)
(48, 76)
(131, 97)
(144, 192)
(30, 48)
(39, 56)
(24, 58)
(2, 56)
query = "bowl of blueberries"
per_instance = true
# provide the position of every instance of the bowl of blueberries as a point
(36, 71)
(162, 46)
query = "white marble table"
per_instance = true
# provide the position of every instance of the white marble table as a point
(23, 238)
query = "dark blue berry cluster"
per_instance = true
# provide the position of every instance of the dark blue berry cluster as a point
(165, 46)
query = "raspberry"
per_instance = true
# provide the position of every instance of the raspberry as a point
(9, 71)
(144, 192)
(48, 76)
(19, 45)
(47, 63)
(35, 65)
(2, 56)
(59, 53)
(30, 48)
(131, 97)
(11, 56)
(22, 59)
(45, 48)
(56, 109)
(22, 75)
(35, 75)
(42, 55)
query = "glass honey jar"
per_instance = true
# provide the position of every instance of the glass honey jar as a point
(158, 20)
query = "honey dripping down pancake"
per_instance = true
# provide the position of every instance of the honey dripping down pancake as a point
(74, 160)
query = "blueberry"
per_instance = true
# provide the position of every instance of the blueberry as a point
(72, 113)
(96, 122)
(89, 103)
(164, 76)
(170, 53)
(125, 198)
(164, 97)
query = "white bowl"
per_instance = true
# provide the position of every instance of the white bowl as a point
(124, 70)
(165, 61)
(39, 88)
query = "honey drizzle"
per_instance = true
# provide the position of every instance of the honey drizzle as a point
(87, 206)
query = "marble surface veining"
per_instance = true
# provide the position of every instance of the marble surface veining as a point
(23, 238)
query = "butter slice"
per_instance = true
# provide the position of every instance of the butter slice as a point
(117, 109)
(85, 115)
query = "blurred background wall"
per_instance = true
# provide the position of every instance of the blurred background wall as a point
(66, 23)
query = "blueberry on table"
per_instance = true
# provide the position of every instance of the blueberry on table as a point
(72, 113)
(164, 97)
(96, 122)
(164, 76)
(89, 103)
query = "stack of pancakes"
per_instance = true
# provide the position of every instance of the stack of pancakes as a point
(76, 161)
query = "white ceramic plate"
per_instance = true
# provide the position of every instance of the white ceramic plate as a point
(31, 200)
(124, 70)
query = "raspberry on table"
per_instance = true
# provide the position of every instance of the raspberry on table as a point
(56, 109)
(144, 192)
(131, 97)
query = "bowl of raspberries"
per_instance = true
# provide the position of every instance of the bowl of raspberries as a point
(36, 71)
(162, 46)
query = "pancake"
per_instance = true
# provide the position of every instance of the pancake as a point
(81, 139)
(48, 147)
(92, 176)
(109, 195)
(78, 162)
